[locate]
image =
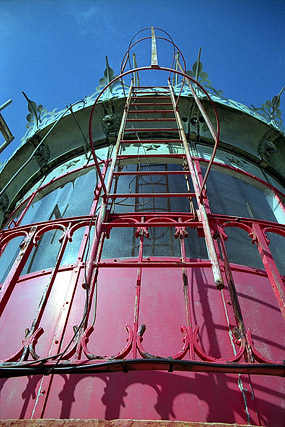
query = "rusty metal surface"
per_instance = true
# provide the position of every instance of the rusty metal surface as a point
(112, 423)
(156, 337)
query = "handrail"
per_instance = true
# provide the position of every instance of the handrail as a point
(126, 56)
(215, 133)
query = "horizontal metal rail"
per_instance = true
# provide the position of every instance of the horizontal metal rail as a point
(150, 87)
(129, 365)
(150, 111)
(151, 141)
(151, 130)
(156, 119)
(116, 223)
(153, 173)
(154, 156)
(149, 195)
(149, 95)
(148, 103)
(153, 264)
(152, 90)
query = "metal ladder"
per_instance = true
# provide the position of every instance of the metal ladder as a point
(143, 97)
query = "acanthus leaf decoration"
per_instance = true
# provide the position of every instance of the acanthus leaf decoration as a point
(202, 77)
(270, 110)
(108, 77)
(36, 111)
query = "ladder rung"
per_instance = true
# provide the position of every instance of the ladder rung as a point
(151, 141)
(150, 103)
(164, 223)
(146, 92)
(151, 87)
(145, 156)
(157, 119)
(153, 173)
(151, 97)
(150, 195)
(152, 264)
(149, 111)
(151, 130)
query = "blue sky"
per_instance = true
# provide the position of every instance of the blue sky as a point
(54, 50)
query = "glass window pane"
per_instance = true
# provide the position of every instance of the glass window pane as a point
(161, 243)
(8, 256)
(152, 204)
(44, 255)
(63, 199)
(229, 195)
(195, 246)
(152, 184)
(277, 249)
(240, 250)
(121, 244)
(16, 215)
(72, 248)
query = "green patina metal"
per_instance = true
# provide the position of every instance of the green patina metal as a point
(269, 112)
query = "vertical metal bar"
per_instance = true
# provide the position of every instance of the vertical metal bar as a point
(11, 280)
(201, 209)
(200, 178)
(234, 297)
(27, 207)
(103, 209)
(154, 60)
(136, 74)
(176, 68)
(270, 267)
(211, 128)
(198, 63)
(186, 295)
(137, 299)
(47, 290)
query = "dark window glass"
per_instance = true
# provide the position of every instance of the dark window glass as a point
(63, 199)
(240, 250)
(161, 243)
(152, 184)
(121, 244)
(195, 246)
(16, 216)
(72, 248)
(44, 255)
(8, 257)
(277, 249)
(229, 195)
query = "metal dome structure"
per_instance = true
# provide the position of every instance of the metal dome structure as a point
(142, 241)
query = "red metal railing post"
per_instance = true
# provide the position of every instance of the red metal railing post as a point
(270, 267)
(201, 209)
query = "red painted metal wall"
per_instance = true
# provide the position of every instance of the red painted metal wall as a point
(113, 307)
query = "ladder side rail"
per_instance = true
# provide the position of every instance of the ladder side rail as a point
(103, 210)
(201, 209)
(215, 133)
